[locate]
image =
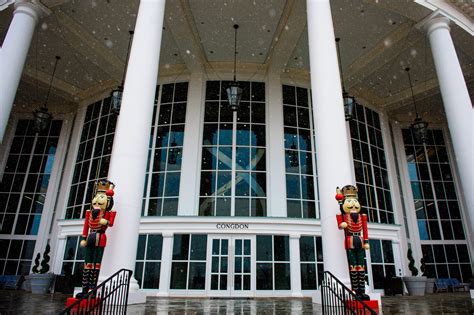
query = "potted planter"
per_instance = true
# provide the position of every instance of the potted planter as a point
(415, 285)
(40, 280)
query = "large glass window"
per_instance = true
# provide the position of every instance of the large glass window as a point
(273, 262)
(370, 165)
(382, 262)
(165, 151)
(15, 256)
(299, 157)
(437, 207)
(26, 177)
(311, 257)
(93, 157)
(233, 167)
(148, 262)
(73, 260)
(188, 269)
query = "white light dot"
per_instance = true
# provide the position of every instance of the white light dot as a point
(188, 51)
(387, 42)
(44, 26)
(109, 43)
(413, 52)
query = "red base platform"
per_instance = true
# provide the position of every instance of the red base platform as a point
(373, 304)
(84, 304)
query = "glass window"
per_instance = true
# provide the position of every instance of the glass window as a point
(382, 262)
(273, 262)
(188, 270)
(23, 189)
(148, 261)
(233, 168)
(370, 165)
(16, 257)
(299, 157)
(436, 205)
(93, 156)
(165, 151)
(73, 260)
(311, 258)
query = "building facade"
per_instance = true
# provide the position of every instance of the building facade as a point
(215, 202)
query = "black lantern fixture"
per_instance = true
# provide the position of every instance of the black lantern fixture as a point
(234, 91)
(173, 152)
(349, 100)
(293, 155)
(116, 95)
(419, 126)
(42, 116)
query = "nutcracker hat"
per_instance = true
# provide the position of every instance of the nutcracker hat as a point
(103, 185)
(349, 191)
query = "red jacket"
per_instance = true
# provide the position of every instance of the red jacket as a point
(355, 229)
(91, 224)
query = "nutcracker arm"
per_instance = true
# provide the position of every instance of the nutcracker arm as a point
(110, 216)
(85, 230)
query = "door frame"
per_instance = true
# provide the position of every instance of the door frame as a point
(230, 292)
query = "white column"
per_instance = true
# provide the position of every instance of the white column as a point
(165, 268)
(191, 164)
(332, 142)
(276, 147)
(295, 265)
(13, 53)
(130, 149)
(457, 104)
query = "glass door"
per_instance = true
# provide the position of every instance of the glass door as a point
(231, 271)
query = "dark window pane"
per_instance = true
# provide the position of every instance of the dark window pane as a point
(179, 273)
(152, 275)
(180, 247)
(264, 248)
(264, 276)
(307, 248)
(197, 276)
(282, 277)
(308, 276)
(281, 248)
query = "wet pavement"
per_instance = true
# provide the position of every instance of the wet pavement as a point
(21, 302)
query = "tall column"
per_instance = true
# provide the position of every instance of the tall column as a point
(188, 186)
(130, 149)
(276, 147)
(14, 51)
(457, 103)
(332, 142)
(166, 261)
(295, 265)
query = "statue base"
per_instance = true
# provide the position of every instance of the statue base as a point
(84, 305)
(354, 305)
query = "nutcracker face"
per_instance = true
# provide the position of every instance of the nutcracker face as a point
(100, 201)
(351, 205)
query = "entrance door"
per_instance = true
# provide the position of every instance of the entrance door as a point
(231, 271)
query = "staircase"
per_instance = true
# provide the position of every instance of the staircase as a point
(109, 297)
(338, 299)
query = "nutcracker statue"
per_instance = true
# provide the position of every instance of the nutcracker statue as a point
(97, 220)
(356, 239)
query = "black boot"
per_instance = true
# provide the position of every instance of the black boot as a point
(85, 283)
(361, 287)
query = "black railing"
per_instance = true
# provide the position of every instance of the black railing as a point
(109, 297)
(336, 298)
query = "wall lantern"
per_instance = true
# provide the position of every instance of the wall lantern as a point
(42, 118)
(419, 126)
(349, 100)
(117, 93)
(234, 91)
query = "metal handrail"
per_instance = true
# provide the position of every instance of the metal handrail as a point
(109, 297)
(339, 299)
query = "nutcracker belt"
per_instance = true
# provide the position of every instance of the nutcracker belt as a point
(93, 239)
(353, 234)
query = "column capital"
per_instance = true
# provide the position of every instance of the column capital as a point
(433, 22)
(33, 8)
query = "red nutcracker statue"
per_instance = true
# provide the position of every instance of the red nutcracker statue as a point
(97, 220)
(356, 237)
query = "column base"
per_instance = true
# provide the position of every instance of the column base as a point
(297, 294)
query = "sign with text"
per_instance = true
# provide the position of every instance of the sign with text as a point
(232, 226)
